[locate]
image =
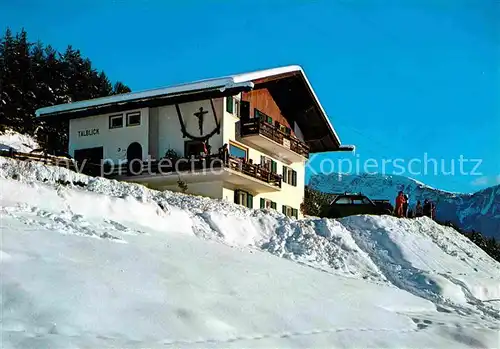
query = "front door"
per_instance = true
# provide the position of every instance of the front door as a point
(134, 158)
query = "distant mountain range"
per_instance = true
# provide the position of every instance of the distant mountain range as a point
(479, 211)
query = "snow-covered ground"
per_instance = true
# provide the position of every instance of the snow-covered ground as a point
(479, 211)
(17, 141)
(93, 263)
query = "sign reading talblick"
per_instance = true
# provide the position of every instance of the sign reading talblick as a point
(89, 132)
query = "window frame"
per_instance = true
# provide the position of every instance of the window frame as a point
(133, 113)
(289, 176)
(115, 116)
(248, 198)
(262, 116)
(236, 145)
(289, 211)
(230, 104)
(267, 204)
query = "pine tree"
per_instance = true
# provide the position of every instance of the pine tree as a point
(120, 88)
(34, 76)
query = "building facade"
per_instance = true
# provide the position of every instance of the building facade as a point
(244, 138)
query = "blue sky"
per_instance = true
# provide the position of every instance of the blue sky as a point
(399, 79)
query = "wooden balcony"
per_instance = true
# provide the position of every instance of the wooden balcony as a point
(268, 138)
(212, 168)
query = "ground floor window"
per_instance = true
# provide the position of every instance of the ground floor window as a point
(290, 211)
(244, 198)
(266, 203)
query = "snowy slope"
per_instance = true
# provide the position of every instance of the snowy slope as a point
(17, 141)
(99, 263)
(479, 211)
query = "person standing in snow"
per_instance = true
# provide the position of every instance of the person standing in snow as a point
(405, 206)
(419, 209)
(427, 209)
(399, 204)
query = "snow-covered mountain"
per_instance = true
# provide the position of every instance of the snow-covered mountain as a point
(479, 211)
(95, 263)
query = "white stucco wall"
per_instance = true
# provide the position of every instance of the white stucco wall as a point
(169, 128)
(208, 189)
(114, 141)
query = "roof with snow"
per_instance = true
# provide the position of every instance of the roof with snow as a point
(288, 86)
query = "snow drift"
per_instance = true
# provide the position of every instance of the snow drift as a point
(99, 263)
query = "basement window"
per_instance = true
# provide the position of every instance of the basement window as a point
(116, 121)
(269, 164)
(266, 203)
(290, 211)
(134, 118)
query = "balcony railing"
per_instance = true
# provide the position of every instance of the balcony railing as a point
(184, 165)
(256, 126)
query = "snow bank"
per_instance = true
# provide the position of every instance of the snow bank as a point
(432, 266)
(18, 141)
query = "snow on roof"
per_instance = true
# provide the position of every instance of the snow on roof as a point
(222, 83)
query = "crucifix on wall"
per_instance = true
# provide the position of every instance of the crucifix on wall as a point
(200, 115)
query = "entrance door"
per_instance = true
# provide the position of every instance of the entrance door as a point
(134, 158)
(89, 160)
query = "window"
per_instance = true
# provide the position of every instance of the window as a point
(134, 118)
(238, 151)
(269, 164)
(243, 198)
(289, 176)
(343, 201)
(236, 107)
(290, 211)
(263, 117)
(361, 201)
(116, 121)
(266, 203)
(233, 105)
(229, 104)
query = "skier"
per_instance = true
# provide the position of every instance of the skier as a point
(399, 204)
(419, 209)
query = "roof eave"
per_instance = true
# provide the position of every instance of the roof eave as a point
(320, 107)
(229, 86)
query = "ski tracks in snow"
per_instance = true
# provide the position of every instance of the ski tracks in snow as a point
(390, 259)
(67, 222)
